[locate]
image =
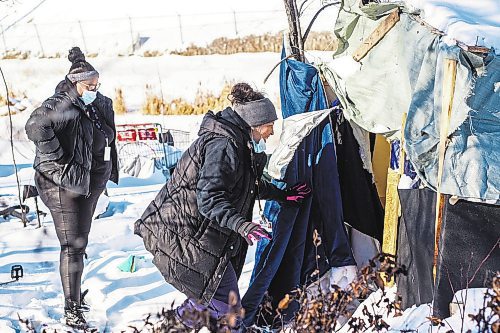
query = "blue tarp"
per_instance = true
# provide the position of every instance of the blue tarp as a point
(289, 259)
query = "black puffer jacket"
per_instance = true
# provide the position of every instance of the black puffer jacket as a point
(63, 135)
(190, 227)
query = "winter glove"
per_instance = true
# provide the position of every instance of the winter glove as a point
(252, 232)
(297, 193)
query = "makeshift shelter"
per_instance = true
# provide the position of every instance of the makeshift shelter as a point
(395, 75)
(319, 148)
(438, 105)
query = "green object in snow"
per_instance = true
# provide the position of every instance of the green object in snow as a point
(130, 264)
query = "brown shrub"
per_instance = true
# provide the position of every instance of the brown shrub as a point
(323, 41)
(118, 102)
(203, 102)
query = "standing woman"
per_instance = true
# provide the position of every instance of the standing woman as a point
(200, 224)
(74, 134)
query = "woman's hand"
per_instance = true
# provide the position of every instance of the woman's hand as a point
(297, 193)
(252, 232)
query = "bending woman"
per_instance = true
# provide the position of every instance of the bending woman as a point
(200, 224)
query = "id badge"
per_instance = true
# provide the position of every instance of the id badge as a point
(107, 153)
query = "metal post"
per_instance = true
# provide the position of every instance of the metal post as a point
(180, 28)
(38, 213)
(235, 24)
(132, 34)
(83, 37)
(3, 38)
(39, 40)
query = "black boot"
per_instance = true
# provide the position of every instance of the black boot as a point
(84, 306)
(74, 316)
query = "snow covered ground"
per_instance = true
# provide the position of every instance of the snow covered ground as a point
(179, 76)
(118, 299)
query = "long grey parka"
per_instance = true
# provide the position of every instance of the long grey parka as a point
(190, 227)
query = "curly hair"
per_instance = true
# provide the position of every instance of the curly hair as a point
(243, 93)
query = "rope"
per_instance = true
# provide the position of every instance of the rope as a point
(12, 149)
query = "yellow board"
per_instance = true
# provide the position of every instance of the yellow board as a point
(392, 212)
(381, 159)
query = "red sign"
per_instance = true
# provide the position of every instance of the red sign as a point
(129, 135)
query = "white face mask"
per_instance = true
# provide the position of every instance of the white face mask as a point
(88, 96)
(259, 147)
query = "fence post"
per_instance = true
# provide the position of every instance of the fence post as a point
(131, 34)
(3, 38)
(39, 40)
(235, 24)
(83, 37)
(180, 28)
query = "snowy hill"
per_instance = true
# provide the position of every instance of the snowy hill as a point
(111, 27)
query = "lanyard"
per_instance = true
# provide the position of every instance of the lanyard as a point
(263, 220)
(94, 117)
(92, 113)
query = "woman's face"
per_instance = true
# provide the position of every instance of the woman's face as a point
(90, 85)
(263, 132)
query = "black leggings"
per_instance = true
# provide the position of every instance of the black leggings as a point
(72, 214)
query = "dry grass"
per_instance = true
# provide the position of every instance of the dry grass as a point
(258, 43)
(203, 102)
(323, 41)
(13, 95)
(119, 103)
(14, 54)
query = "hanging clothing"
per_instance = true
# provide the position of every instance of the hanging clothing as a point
(360, 202)
(289, 260)
(468, 248)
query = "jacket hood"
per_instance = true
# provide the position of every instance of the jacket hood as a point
(69, 89)
(226, 123)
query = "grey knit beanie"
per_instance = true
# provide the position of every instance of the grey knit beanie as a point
(256, 113)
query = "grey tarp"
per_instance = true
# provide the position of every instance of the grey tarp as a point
(295, 129)
(403, 74)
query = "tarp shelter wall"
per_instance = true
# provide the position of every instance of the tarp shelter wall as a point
(391, 80)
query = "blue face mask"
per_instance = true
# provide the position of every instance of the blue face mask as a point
(259, 147)
(88, 97)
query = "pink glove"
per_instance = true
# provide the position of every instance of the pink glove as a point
(297, 193)
(252, 232)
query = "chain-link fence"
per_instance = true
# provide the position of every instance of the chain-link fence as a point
(123, 36)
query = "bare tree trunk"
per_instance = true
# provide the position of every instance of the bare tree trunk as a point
(295, 35)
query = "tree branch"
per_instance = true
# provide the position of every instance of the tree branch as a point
(315, 17)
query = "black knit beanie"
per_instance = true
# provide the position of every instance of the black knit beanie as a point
(80, 69)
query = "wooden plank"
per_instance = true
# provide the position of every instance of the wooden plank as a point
(393, 205)
(449, 78)
(473, 48)
(376, 36)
